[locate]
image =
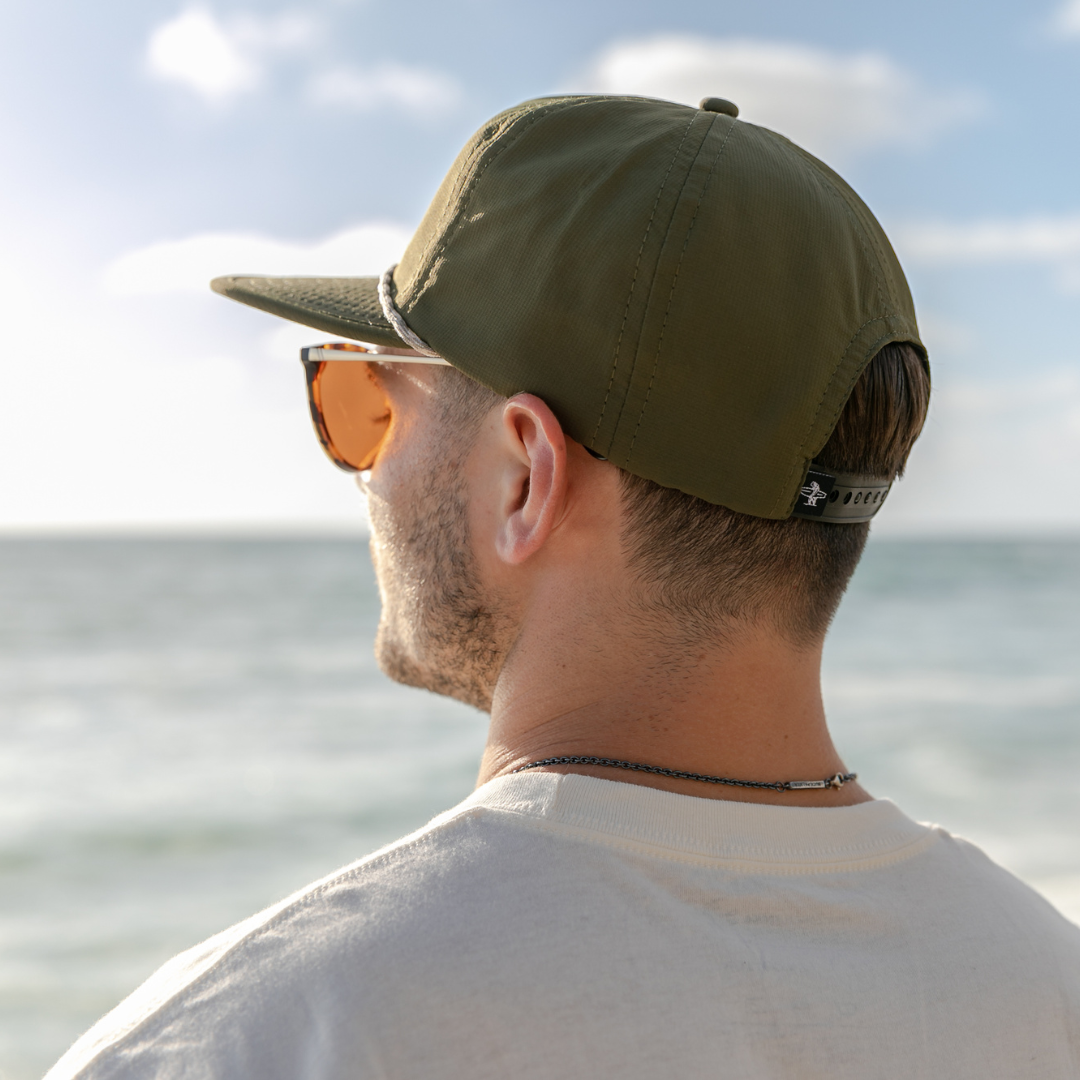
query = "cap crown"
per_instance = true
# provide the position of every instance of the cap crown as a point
(694, 296)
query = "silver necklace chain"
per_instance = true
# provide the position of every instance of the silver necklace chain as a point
(836, 782)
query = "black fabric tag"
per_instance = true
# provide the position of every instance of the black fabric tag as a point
(814, 494)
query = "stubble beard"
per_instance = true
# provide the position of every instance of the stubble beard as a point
(439, 629)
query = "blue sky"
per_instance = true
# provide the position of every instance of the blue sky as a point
(151, 145)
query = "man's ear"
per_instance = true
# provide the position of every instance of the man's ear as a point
(534, 478)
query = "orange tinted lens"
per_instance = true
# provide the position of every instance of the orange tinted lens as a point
(354, 411)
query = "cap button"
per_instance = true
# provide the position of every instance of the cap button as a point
(720, 105)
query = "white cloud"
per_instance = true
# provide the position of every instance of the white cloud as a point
(1066, 20)
(218, 59)
(171, 266)
(1030, 239)
(194, 50)
(834, 104)
(1047, 240)
(413, 89)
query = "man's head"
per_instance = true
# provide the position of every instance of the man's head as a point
(459, 559)
(694, 301)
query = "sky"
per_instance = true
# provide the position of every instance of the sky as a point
(150, 145)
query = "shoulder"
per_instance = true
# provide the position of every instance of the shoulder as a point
(964, 912)
(963, 878)
(249, 1000)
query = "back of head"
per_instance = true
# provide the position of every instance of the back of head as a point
(704, 570)
(708, 569)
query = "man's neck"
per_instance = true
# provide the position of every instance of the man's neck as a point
(750, 710)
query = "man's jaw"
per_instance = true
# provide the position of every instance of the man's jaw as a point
(401, 663)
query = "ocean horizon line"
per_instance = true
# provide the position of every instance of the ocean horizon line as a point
(320, 530)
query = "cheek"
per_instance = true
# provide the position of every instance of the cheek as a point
(391, 523)
(393, 476)
(399, 498)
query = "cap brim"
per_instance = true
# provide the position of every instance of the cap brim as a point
(346, 307)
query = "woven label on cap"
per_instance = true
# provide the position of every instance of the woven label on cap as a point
(814, 494)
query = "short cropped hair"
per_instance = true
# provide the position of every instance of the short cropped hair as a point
(710, 568)
(706, 569)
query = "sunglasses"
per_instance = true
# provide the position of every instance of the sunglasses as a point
(349, 409)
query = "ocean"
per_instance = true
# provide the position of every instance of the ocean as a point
(191, 729)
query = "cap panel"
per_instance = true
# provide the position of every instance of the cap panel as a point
(887, 265)
(654, 343)
(683, 184)
(553, 253)
(447, 209)
(770, 299)
(624, 362)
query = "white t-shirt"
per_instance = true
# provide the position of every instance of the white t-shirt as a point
(564, 926)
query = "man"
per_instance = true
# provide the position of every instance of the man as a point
(625, 410)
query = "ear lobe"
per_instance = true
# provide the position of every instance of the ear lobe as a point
(534, 479)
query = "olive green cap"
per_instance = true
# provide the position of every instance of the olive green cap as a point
(694, 296)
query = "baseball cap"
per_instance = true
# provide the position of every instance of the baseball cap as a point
(694, 296)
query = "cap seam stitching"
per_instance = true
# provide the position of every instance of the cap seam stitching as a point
(873, 257)
(439, 234)
(866, 222)
(451, 221)
(450, 225)
(328, 314)
(633, 280)
(674, 283)
(656, 269)
(345, 319)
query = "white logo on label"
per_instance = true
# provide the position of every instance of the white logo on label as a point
(813, 493)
